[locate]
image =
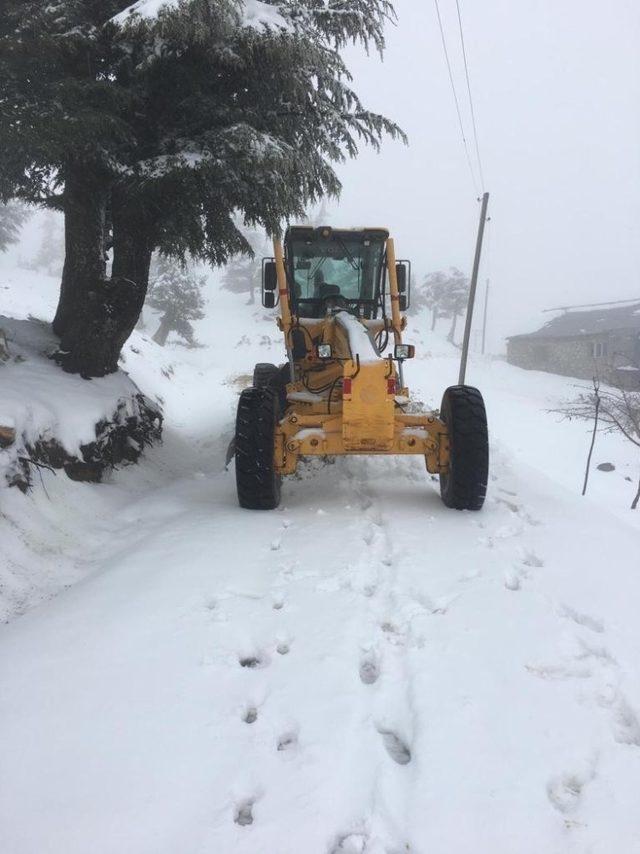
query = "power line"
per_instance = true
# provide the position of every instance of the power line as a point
(455, 98)
(473, 114)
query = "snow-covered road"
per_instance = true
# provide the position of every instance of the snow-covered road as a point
(360, 671)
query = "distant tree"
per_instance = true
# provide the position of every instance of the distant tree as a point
(12, 217)
(243, 273)
(175, 291)
(446, 295)
(50, 255)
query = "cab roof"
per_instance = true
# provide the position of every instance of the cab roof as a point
(309, 232)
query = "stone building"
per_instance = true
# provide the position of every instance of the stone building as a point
(602, 341)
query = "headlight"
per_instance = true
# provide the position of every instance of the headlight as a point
(404, 351)
(324, 351)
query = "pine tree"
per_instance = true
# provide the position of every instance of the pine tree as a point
(167, 126)
(12, 218)
(446, 294)
(175, 292)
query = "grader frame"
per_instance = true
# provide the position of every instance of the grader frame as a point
(365, 418)
(339, 395)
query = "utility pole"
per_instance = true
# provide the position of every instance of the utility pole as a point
(472, 291)
(484, 317)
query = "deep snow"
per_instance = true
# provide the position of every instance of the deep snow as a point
(360, 671)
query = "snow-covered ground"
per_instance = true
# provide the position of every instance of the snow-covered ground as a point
(362, 671)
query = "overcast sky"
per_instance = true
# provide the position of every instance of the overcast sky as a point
(556, 87)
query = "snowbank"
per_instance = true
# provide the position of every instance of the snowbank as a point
(62, 420)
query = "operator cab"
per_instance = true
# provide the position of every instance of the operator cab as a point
(335, 269)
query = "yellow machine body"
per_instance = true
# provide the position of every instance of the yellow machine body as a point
(352, 403)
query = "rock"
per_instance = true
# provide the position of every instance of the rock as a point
(606, 467)
(119, 440)
(7, 436)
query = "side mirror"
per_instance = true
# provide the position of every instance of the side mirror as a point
(269, 275)
(403, 275)
(269, 299)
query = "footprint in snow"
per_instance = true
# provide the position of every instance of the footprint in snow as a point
(244, 813)
(564, 792)
(251, 715)
(532, 559)
(365, 502)
(283, 648)
(626, 725)
(352, 843)
(368, 535)
(559, 672)
(254, 662)
(585, 620)
(369, 668)
(395, 747)
(512, 581)
(512, 506)
(288, 741)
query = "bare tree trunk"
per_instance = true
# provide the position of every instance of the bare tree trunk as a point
(635, 501)
(85, 205)
(452, 332)
(163, 331)
(133, 245)
(596, 389)
(434, 318)
(96, 315)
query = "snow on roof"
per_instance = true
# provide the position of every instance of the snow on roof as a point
(573, 324)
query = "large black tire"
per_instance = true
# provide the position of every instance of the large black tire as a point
(257, 481)
(464, 487)
(266, 375)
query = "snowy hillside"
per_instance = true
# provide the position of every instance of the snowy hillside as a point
(360, 672)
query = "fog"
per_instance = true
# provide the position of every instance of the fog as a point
(556, 89)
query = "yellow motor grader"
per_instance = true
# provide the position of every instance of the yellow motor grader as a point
(342, 295)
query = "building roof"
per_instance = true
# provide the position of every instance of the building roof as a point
(575, 324)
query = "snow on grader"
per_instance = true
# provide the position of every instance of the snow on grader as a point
(342, 295)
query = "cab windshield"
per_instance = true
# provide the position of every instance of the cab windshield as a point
(342, 267)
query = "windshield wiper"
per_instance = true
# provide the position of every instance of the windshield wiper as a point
(350, 257)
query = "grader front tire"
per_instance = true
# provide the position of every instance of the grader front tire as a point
(465, 485)
(257, 480)
(266, 375)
